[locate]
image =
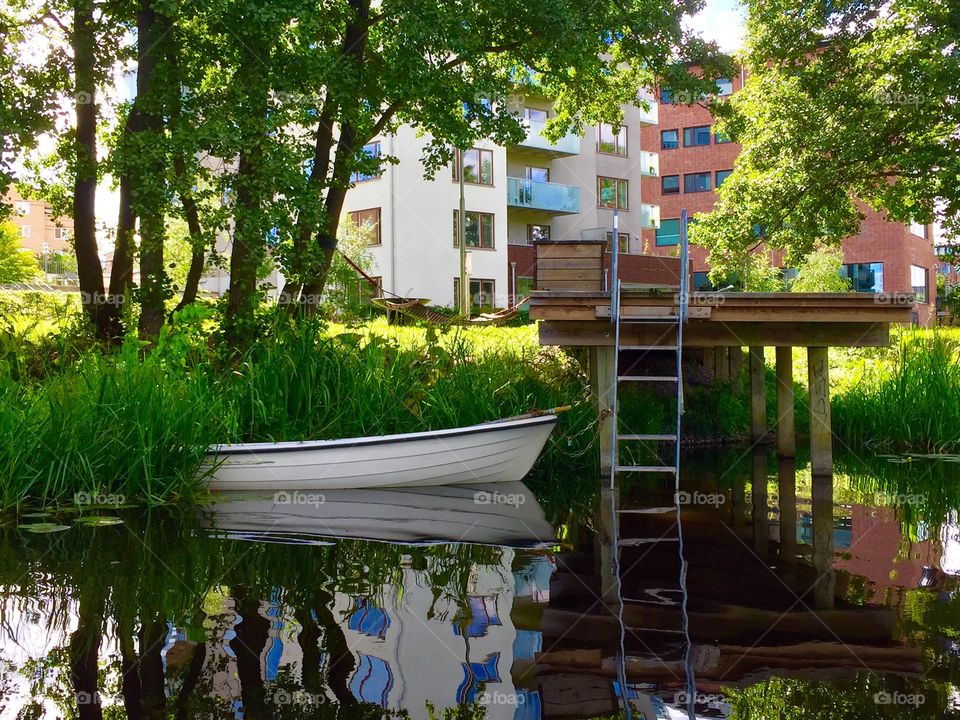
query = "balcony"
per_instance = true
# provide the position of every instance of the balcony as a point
(648, 118)
(649, 164)
(649, 216)
(547, 196)
(569, 144)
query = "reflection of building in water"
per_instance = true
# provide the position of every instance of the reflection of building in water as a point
(412, 643)
(880, 552)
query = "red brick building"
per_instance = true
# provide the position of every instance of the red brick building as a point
(885, 257)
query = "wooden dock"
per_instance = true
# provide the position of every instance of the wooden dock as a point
(573, 306)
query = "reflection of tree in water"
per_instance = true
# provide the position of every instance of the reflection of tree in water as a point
(123, 584)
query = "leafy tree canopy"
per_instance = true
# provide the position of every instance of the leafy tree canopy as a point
(16, 264)
(848, 104)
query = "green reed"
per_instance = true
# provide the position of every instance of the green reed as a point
(135, 424)
(908, 400)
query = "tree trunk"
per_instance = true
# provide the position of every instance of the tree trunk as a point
(197, 242)
(248, 643)
(85, 181)
(249, 233)
(151, 29)
(152, 637)
(121, 273)
(129, 665)
(84, 652)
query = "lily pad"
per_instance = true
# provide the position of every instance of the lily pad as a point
(98, 520)
(44, 527)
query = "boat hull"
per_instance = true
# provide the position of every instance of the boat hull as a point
(493, 452)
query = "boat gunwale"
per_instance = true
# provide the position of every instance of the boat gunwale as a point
(302, 445)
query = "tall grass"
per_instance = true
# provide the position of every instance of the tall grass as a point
(137, 426)
(909, 401)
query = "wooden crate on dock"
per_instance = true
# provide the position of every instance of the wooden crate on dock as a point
(570, 265)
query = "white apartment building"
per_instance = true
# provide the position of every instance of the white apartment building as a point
(513, 196)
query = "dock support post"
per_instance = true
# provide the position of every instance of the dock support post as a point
(822, 506)
(722, 363)
(787, 491)
(821, 439)
(758, 493)
(736, 369)
(786, 432)
(710, 362)
(601, 387)
(758, 395)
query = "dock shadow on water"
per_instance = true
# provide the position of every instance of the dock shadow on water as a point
(804, 598)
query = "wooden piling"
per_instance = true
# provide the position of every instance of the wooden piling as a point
(821, 438)
(736, 369)
(758, 494)
(601, 388)
(758, 394)
(786, 430)
(787, 493)
(722, 363)
(822, 507)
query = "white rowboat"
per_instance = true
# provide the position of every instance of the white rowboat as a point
(500, 451)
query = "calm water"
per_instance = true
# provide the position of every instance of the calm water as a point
(802, 601)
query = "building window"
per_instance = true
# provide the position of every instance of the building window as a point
(61, 233)
(612, 193)
(21, 208)
(477, 167)
(534, 115)
(669, 139)
(696, 136)
(371, 150)
(537, 174)
(670, 184)
(696, 182)
(24, 231)
(369, 221)
(478, 229)
(366, 290)
(701, 281)
(919, 282)
(612, 142)
(668, 233)
(723, 175)
(623, 243)
(666, 96)
(918, 229)
(481, 292)
(536, 233)
(720, 137)
(724, 86)
(789, 274)
(864, 277)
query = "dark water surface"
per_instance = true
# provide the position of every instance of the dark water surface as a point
(803, 599)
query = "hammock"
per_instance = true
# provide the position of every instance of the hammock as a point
(417, 307)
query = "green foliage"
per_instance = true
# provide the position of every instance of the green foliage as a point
(911, 400)
(869, 115)
(820, 272)
(348, 294)
(16, 264)
(761, 276)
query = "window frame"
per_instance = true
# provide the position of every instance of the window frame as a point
(25, 231)
(924, 295)
(528, 110)
(705, 174)
(480, 281)
(676, 145)
(530, 227)
(663, 225)
(696, 130)
(726, 82)
(663, 189)
(358, 177)
(527, 174)
(355, 216)
(458, 163)
(617, 137)
(845, 272)
(623, 240)
(617, 183)
(480, 215)
(21, 208)
(717, 182)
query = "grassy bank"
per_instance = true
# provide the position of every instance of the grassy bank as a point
(135, 424)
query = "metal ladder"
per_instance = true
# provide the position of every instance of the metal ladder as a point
(670, 323)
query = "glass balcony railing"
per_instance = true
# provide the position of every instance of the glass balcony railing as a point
(547, 196)
(569, 144)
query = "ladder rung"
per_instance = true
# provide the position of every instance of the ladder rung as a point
(648, 378)
(648, 347)
(646, 541)
(649, 511)
(641, 436)
(633, 320)
(646, 468)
